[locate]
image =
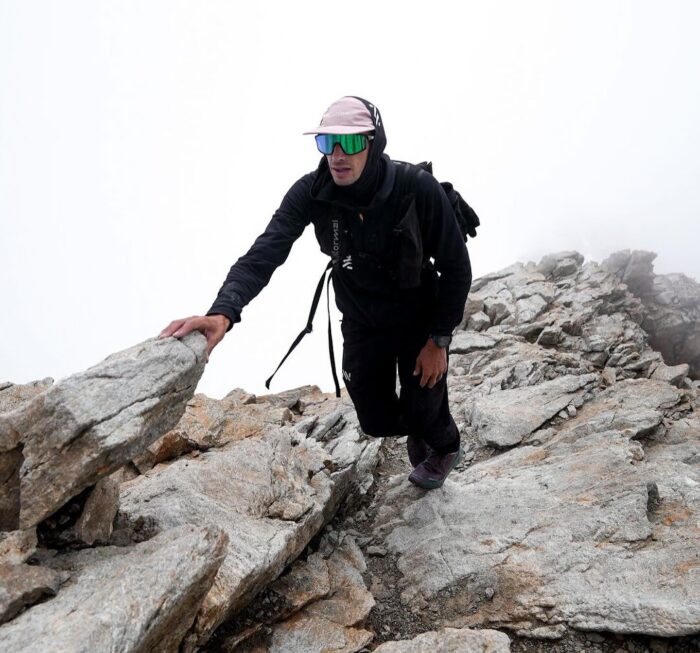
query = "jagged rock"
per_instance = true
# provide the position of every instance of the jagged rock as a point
(674, 375)
(634, 269)
(23, 585)
(239, 397)
(210, 423)
(307, 581)
(330, 623)
(465, 342)
(91, 423)
(478, 322)
(592, 523)
(559, 265)
(671, 307)
(95, 522)
(17, 546)
(296, 399)
(550, 336)
(451, 640)
(271, 494)
(140, 598)
(635, 407)
(503, 419)
(13, 396)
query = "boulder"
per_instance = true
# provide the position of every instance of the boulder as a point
(89, 424)
(23, 585)
(503, 419)
(331, 621)
(123, 599)
(271, 494)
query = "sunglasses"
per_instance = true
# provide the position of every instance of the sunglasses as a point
(349, 143)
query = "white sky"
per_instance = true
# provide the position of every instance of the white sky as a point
(145, 144)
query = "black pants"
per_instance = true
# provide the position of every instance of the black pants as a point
(370, 359)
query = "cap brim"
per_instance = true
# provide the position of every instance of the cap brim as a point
(341, 129)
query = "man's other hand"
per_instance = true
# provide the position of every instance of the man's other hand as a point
(212, 326)
(431, 364)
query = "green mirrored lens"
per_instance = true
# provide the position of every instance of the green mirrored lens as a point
(349, 143)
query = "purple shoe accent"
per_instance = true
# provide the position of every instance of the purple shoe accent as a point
(417, 450)
(433, 471)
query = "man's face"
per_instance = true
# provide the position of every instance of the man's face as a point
(346, 168)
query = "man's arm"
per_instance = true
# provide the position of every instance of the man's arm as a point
(443, 242)
(252, 272)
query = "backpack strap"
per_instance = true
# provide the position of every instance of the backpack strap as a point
(331, 354)
(309, 328)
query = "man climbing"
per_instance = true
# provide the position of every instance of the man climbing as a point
(401, 275)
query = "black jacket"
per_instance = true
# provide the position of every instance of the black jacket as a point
(398, 262)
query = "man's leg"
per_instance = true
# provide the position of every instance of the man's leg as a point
(369, 371)
(426, 413)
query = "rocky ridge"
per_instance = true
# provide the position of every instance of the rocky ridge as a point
(266, 524)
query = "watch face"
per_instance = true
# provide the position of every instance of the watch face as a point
(442, 341)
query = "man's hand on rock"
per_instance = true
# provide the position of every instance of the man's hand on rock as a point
(212, 326)
(431, 364)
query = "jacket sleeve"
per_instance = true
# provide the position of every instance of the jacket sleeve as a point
(252, 271)
(445, 244)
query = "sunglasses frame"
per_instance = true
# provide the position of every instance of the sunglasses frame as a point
(367, 139)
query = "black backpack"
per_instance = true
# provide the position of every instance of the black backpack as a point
(467, 220)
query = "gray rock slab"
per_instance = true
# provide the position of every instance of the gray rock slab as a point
(530, 308)
(451, 640)
(675, 375)
(307, 581)
(132, 599)
(271, 495)
(504, 418)
(23, 585)
(465, 342)
(96, 520)
(89, 424)
(634, 406)
(584, 531)
(478, 321)
(334, 621)
(211, 423)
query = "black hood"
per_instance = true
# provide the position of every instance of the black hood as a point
(379, 142)
(360, 193)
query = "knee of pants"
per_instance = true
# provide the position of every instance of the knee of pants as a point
(377, 428)
(421, 412)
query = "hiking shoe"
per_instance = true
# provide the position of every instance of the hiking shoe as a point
(417, 450)
(433, 471)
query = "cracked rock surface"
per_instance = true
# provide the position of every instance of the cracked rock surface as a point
(580, 507)
(88, 425)
(271, 494)
(140, 598)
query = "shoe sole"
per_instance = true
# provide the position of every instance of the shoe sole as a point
(434, 485)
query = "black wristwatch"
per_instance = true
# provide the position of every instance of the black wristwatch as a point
(441, 341)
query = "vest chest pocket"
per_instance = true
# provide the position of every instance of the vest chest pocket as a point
(331, 236)
(409, 248)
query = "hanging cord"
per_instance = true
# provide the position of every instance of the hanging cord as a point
(330, 336)
(309, 328)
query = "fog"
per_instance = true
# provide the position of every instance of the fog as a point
(144, 145)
